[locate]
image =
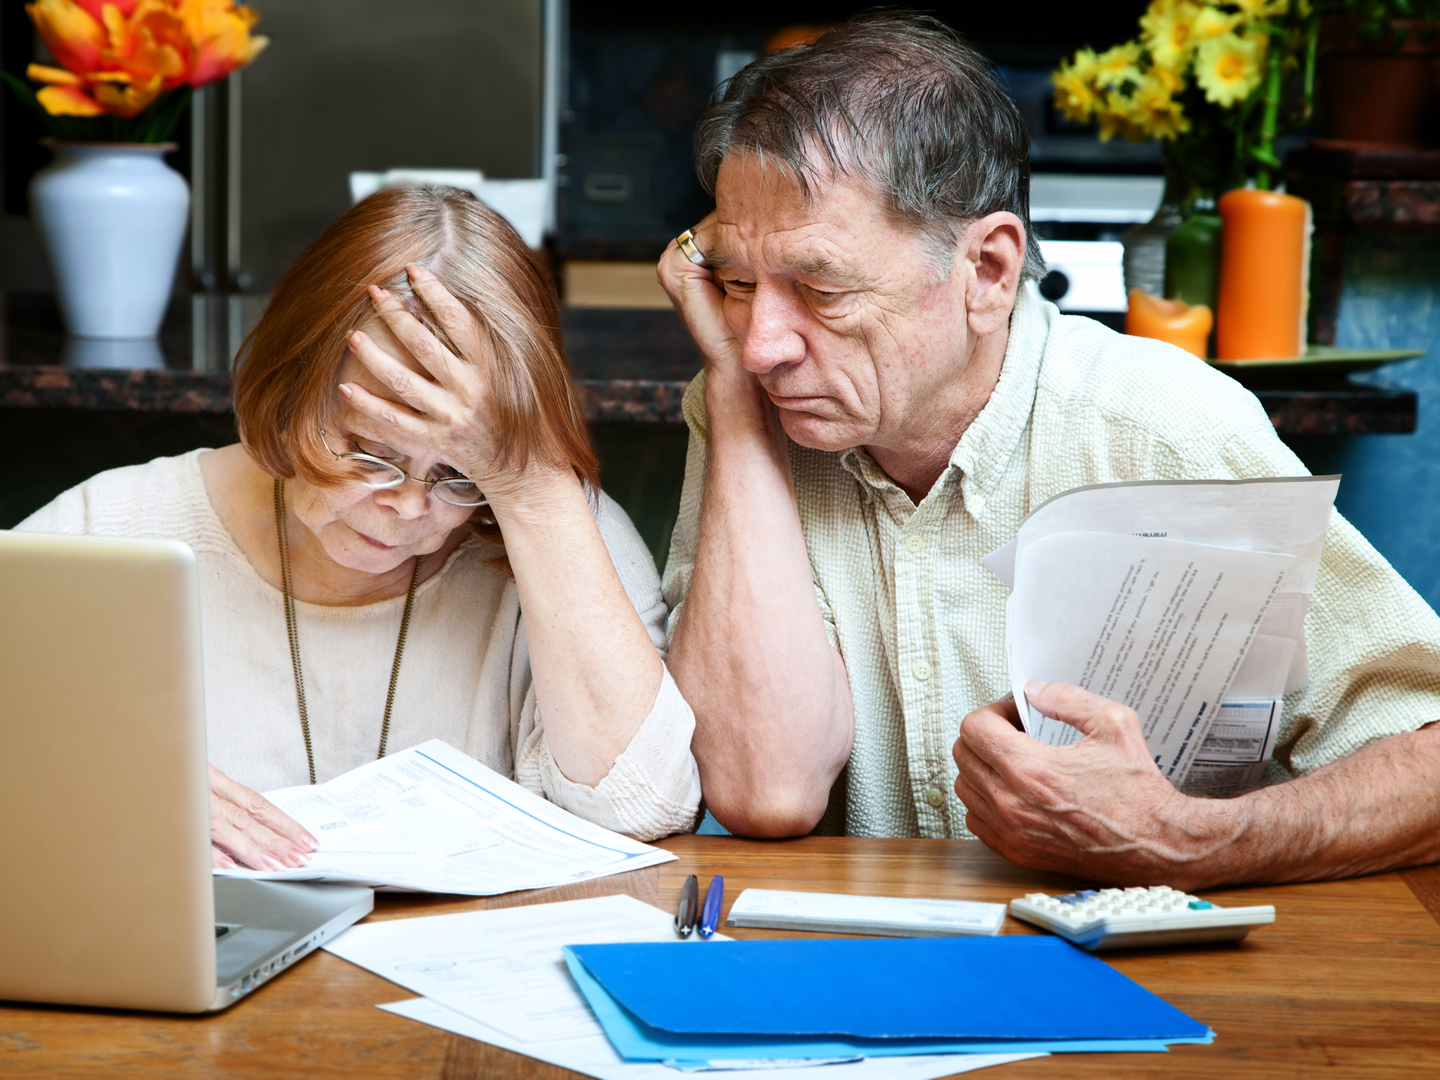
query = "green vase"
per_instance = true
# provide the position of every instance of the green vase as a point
(1192, 260)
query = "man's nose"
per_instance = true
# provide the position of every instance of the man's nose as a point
(773, 337)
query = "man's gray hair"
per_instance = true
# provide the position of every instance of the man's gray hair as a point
(896, 101)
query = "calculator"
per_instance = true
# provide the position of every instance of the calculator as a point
(1131, 918)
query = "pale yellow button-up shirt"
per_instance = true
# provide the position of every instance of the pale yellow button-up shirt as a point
(920, 621)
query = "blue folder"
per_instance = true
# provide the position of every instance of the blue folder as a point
(833, 999)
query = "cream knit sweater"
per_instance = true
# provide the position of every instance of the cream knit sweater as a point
(465, 677)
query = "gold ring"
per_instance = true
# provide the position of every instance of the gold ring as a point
(686, 242)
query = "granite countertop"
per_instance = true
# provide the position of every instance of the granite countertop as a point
(629, 366)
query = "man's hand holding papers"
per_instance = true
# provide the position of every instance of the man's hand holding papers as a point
(1098, 809)
(1109, 792)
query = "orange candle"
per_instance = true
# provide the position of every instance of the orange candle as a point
(1179, 323)
(1264, 276)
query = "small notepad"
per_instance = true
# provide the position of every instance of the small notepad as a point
(886, 916)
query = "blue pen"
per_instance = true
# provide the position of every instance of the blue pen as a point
(710, 913)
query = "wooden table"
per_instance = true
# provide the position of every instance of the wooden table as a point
(1347, 980)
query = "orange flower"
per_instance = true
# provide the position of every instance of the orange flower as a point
(150, 43)
(221, 33)
(69, 32)
(93, 93)
(120, 55)
(65, 95)
(95, 7)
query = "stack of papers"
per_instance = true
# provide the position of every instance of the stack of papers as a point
(837, 999)
(433, 819)
(500, 977)
(1184, 600)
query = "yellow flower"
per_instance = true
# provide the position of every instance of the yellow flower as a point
(1228, 68)
(1260, 10)
(1118, 65)
(1211, 23)
(1170, 78)
(1168, 31)
(1074, 92)
(1155, 110)
(1115, 115)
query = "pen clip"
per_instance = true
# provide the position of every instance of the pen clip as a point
(689, 901)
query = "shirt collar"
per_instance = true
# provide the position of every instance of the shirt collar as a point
(983, 452)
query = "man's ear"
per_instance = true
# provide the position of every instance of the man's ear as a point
(993, 248)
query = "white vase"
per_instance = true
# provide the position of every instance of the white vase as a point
(113, 218)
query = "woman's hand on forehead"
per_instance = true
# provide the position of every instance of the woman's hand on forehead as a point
(432, 397)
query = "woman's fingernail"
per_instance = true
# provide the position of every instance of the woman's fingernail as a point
(272, 863)
(1033, 687)
(347, 393)
(314, 844)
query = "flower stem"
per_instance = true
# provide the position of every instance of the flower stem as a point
(1264, 150)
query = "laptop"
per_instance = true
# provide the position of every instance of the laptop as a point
(107, 897)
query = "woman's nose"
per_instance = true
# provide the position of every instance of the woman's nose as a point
(409, 501)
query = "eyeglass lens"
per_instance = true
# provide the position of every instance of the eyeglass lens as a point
(378, 474)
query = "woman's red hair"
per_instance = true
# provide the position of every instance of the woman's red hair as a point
(285, 383)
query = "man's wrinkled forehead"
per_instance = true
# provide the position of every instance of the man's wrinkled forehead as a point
(764, 213)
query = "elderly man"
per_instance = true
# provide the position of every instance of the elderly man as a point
(884, 399)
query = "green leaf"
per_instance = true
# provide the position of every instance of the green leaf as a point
(1264, 157)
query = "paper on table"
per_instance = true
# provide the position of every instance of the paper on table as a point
(504, 968)
(594, 1056)
(1283, 515)
(434, 819)
(843, 913)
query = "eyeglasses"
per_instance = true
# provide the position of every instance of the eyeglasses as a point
(379, 474)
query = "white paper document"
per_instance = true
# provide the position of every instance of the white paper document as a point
(433, 819)
(1180, 599)
(841, 913)
(500, 977)
(504, 968)
(1240, 741)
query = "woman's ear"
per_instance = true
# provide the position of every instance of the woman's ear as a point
(994, 250)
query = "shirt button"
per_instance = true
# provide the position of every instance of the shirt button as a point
(921, 670)
(934, 797)
(914, 542)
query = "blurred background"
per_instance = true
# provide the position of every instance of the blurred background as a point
(578, 117)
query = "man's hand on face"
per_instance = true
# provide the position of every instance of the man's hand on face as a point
(697, 295)
(1098, 809)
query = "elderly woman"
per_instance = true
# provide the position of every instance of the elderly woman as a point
(409, 541)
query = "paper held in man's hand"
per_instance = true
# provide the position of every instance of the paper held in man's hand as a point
(1185, 600)
(433, 819)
